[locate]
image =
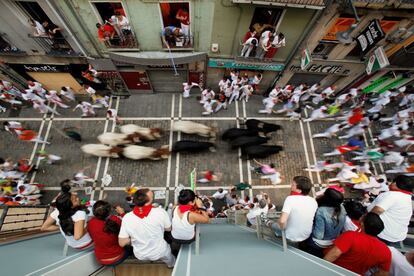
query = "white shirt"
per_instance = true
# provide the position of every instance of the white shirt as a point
(253, 213)
(394, 157)
(90, 90)
(147, 234)
(70, 240)
(301, 211)
(181, 227)
(397, 213)
(250, 41)
(218, 195)
(399, 265)
(349, 225)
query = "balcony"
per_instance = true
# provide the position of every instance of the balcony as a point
(246, 55)
(181, 43)
(54, 46)
(6, 48)
(125, 42)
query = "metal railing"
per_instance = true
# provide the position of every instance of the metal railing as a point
(183, 42)
(263, 230)
(54, 45)
(127, 41)
(17, 219)
(250, 55)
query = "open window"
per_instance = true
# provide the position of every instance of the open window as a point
(114, 30)
(45, 32)
(262, 32)
(176, 23)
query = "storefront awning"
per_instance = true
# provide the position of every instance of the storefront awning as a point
(156, 58)
(307, 4)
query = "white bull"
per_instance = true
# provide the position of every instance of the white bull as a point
(115, 139)
(190, 127)
(138, 152)
(100, 150)
(149, 134)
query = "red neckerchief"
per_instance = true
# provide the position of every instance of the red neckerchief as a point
(404, 192)
(295, 193)
(143, 211)
(184, 208)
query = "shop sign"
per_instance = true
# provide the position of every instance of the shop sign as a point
(370, 36)
(322, 68)
(166, 66)
(305, 59)
(45, 68)
(223, 63)
(377, 61)
(375, 84)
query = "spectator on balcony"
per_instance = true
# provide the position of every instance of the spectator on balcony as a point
(38, 29)
(170, 35)
(184, 17)
(278, 42)
(52, 30)
(70, 218)
(121, 24)
(248, 46)
(189, 212)
(298, 212)
(144, 228)
(104, 229)
(395, 209)
(106, 33)
(264, 44)
(329, 222)
(360, 251)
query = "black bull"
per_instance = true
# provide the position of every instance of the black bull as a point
(192, 146)
(260, 151)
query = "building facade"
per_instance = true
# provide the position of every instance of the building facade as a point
(143, 57)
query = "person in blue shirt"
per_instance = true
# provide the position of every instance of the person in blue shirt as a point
(357, 141)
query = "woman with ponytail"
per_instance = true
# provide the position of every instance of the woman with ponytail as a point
(328, 223)
(70, 218)
(104, 229)
(186, 215)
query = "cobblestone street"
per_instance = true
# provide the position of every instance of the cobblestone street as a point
(162, 110)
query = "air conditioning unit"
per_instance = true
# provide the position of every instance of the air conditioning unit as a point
(214, 47)
(397, 35)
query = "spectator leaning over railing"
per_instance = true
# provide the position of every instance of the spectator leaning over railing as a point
(297, 213)
(257, 210)
(189, 212)
(360, 251)
(144, 229)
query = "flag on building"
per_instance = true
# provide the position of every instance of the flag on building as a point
(305, 59)
(377, 61)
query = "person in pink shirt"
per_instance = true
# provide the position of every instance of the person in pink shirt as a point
(264, 169)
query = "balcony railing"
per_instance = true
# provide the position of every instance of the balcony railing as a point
(127, 41)
(57, 46)
(250, 54)
(184, 42)
(6, 47)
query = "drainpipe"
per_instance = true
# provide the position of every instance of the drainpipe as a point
(82, 25)
(304, 35)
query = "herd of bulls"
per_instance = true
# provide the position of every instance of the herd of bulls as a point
(250, 140)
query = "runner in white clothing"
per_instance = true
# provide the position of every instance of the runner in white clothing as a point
(67, 93)
(187, 88)
(331, 131)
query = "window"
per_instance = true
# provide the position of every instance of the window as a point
(176, 22)
(114, 28)
(45, 32)
(261, 32)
